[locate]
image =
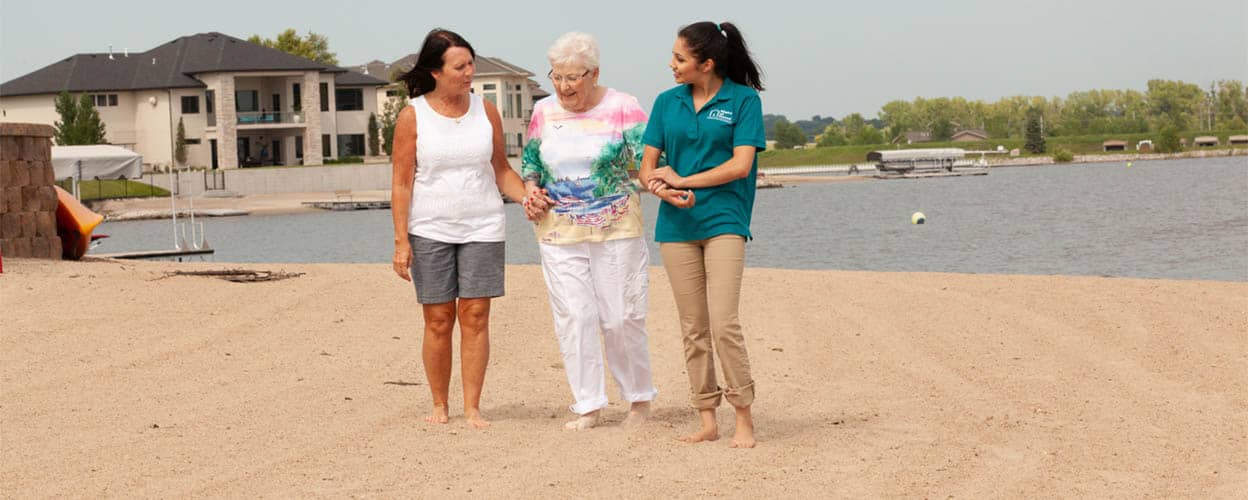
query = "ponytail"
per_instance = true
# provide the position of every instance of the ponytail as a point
(419, 79)
(724, 44)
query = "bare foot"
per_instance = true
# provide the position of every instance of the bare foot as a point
(709, 430)
(474, 418)
(743, 436)
(584, 422)
(638, 414)
(438, 416)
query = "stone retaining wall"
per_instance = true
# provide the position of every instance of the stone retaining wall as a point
(27, 199)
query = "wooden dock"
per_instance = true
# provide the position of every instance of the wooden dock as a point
(925, 175)
(153, 254)
(350, 205)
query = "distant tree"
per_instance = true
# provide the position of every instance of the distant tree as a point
(314, 46)
(389, 116)
(1175, 103)
(769, 124)
(869, 135)
(815, 125)
(1236, 124)
(833, 135)
(942, 129)
(80, 123)
(788, 135)
(1168, 140)
(374, 141)
(1034, 134)
(179, 145)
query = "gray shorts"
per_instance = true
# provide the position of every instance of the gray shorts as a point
(443, 272)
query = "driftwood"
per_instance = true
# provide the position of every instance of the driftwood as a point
(238, 275)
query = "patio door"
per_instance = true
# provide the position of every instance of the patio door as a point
(244, 151)
(277, 151)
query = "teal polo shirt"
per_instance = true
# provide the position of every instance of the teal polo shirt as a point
(695, 141)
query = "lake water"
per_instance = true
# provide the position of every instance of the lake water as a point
(1182, 219)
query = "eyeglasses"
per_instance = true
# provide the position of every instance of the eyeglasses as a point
(570, 79)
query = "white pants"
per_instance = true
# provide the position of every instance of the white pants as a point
(600, 288)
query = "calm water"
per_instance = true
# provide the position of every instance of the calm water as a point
(1183, 219)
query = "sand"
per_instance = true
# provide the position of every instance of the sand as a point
(119, 381)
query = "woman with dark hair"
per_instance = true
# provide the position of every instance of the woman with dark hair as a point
(711, 129)
(448, 165)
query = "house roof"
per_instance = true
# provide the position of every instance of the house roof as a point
(169, 65)
(977, 132)
(1114, 142)
(1237, 138)
(353, 79)
(486, 66)
(1205, 139)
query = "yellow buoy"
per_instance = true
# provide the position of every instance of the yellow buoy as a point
(1128, 164)
(918, 218)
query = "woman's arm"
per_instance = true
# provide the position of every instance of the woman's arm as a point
(737, 167)
(403, 166)
(508, 180)
(649, 179)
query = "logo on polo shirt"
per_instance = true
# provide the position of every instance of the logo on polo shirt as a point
(720, 115)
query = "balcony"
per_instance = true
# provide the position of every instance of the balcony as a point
(270, 119)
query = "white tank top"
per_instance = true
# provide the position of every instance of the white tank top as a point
(455, 198)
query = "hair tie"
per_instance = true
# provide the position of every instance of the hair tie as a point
(721, 29)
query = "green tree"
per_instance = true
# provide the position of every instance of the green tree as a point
(374, 141)
(869, 135)
(788, 135)
(1175, 103)
(942, 129)
(80, 123)
(1168, 141)
(833, 135)
(179, 145)
(314, 46)
(389, 116)
(1035, 132)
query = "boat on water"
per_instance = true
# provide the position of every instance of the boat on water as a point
(916, 161)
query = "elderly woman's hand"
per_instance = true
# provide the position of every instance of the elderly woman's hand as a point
(668, 176)
(536, 203)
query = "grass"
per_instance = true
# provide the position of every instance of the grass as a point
(105, 189)
(1076, 145)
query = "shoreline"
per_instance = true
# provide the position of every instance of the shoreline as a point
(129, 209)
(984, 386)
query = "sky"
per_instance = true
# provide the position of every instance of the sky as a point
(819, 57)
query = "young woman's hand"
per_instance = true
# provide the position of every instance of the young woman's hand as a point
(668, 176)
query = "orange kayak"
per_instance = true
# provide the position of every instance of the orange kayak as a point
(74, 223)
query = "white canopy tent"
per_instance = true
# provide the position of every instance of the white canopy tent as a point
(99, 161)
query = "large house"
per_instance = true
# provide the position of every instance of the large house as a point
(241, 104)
(510, 87)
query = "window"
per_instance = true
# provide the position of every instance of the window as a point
(392, 93)
(192, 141)
(296, 96)
(103, 100)
(210, 98)
(349, 99)
(489, 86)
(507, 112)
(492, 97)
(325, 145)
(350, 145)
(299, 146)
(190, 104)
(246, 101)
(324, 96)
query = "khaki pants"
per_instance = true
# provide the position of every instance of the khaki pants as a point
(706, 281)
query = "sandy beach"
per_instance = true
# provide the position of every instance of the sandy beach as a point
(119, 380)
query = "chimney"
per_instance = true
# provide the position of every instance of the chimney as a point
(110, 51)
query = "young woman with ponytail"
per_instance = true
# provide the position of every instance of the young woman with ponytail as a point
(710, 127)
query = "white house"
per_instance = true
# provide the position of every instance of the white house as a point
(510, 87)
(242, 104)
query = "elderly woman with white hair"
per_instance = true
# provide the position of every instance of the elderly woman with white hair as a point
(582, 142)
